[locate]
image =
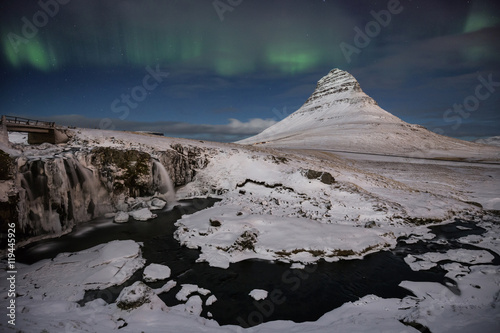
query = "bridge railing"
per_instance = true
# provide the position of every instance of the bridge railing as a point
(26, 121)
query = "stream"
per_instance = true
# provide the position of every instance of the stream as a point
(294, 294)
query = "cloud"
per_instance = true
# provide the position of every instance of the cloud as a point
(234, 130)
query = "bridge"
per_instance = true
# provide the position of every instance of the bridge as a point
(38, 131)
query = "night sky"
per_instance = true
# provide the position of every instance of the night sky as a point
(227, 69)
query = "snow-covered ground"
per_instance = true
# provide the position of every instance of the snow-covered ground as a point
(494, 141)
(293, 206)
(470, 182)
(271, 210)
(18, 137)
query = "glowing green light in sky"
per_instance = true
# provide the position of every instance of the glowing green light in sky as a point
(227, 54)
(10, 53)
(292, 60)
(190, 49)
(232, 66)
(140, 36)
(32, 53)
(478, 21)
(480, 17)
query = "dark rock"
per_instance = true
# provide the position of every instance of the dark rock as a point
(324, 177)
(135, 166)
(370, 224)
(181, 162)
(246, 241)
(134, 296)
(8, 214)
(327, 178)
(311, 174)
(6, 166)
(215, 223)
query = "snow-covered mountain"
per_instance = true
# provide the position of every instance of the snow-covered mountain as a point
(340, 116)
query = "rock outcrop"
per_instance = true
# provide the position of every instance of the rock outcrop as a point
(4, 135)
(52, 194)
(8, 195)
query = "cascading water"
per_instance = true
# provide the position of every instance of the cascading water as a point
(57, 193)
(164, 183)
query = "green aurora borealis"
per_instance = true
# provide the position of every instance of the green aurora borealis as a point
(273, 43)
(289, 43)
(141, 48)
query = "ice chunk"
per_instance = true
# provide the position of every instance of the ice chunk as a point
(188, 289)
(121, 217)
(155, 272)
(258, 294)
(156, 203)
(428, 260)
(166, 287)
(116, 251)
(211, 300)
(143, 214)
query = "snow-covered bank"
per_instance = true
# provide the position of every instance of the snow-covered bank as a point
(230, 235)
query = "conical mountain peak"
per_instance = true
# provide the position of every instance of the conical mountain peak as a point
(338, 86)
(338, 102)
(340, 116)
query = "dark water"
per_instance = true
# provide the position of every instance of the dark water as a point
(298, 295)
(103, 230)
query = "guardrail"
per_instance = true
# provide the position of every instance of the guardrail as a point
(26, 122)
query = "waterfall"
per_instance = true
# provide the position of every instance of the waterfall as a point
(57, 193)
(164, 183)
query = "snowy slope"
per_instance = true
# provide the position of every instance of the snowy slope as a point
(494, 141)
(340, 116)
